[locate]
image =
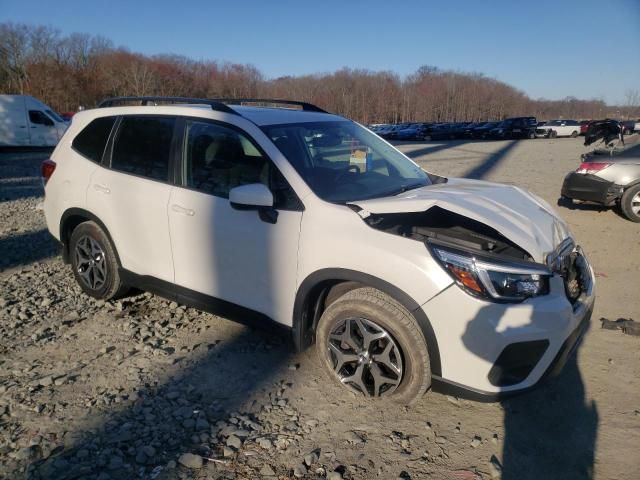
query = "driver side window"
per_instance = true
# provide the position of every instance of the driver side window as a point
(39, 118)
(217, 158)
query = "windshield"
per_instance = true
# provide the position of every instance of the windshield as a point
(343, 162)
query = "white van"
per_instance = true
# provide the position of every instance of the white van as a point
(26, 121)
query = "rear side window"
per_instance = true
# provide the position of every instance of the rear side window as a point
(143, 147)
(90, 142)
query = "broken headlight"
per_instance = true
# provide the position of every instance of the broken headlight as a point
(492, 279)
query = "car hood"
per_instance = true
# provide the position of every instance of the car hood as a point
(519, 215)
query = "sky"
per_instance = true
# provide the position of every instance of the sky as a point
(547, 48)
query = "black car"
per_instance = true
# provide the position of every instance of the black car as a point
(483, 130)
(516, 127)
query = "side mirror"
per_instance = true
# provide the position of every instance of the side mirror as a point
(251, 196)
(48, 122)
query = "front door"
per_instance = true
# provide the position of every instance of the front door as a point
(238, 256)
(43, 129)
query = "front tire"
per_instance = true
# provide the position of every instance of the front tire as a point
(630, 203)
(94, 262)
(370, 343)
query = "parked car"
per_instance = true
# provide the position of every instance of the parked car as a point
(306, 220)
(628, 126)
(410, 133)
(559, 128)
(67, 116)
(484, 131)
(608, 177)
(27, 121)
(516, 127)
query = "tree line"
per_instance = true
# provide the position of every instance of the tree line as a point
(69, 71)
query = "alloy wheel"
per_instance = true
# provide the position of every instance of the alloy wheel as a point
(90, 263)
(365, 357)
(635, 204)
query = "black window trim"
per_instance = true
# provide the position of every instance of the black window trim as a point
(106, 145)
(108, 154)
(178, 153)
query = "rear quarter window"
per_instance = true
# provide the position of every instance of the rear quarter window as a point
(92, 140)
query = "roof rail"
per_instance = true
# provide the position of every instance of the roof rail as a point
(214, 104)
(307, 107)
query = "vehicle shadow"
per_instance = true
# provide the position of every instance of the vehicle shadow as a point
(491, 162)
(550, 432)
(26, 248)
(234, 379)
(589, 207)
(417, 153)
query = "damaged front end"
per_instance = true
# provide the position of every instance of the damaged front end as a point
(479, 259)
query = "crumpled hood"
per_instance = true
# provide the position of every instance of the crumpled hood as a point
(519, 215)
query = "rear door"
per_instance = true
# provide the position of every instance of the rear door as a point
(131, 192)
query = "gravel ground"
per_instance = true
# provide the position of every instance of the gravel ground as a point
(146, 388)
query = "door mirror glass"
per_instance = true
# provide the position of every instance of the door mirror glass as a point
(252, 195)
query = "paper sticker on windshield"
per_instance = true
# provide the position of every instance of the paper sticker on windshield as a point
(360, 159)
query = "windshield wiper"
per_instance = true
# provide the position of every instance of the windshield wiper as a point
(403, 188)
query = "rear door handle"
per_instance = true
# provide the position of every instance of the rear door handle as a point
(101, 188)
(182, 210)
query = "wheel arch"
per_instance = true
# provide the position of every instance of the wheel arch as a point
(73, 217)
(320, 286)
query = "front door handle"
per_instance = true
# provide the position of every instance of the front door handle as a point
(182, 210)
(101, 188)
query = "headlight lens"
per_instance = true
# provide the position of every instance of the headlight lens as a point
(493, 279)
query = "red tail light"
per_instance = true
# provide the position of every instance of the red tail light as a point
(47, 169)
(592, 167)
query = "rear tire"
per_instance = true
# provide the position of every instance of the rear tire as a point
(94, 262)
(365, 336)
(574, 134)
(630, 203)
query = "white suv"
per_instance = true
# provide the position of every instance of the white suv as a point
(403, 279)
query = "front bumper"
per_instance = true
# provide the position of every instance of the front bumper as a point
(590, 188)
(473, 341)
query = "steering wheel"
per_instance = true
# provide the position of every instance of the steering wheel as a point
(349, 169)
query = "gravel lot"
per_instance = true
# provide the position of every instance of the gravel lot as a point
(145, 388)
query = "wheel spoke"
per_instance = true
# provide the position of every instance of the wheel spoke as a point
(342, 357)
(380, 379)
(357, 379)
(367, 335)
(385, 359)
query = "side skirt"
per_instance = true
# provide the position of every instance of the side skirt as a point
(206, 303)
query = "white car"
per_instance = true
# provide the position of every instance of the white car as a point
(26, 121)
(559, 128)
(306, 220)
